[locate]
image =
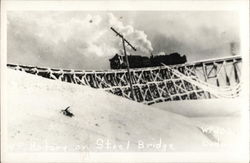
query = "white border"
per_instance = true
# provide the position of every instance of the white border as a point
(240, 6)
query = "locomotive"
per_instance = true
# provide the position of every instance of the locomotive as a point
(136, 61)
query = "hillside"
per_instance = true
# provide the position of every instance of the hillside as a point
(35, 121)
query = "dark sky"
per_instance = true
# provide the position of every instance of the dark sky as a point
(83, 40)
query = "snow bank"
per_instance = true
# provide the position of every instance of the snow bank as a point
(102, 121)
(205, 108)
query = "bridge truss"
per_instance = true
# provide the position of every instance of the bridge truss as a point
(198, 80)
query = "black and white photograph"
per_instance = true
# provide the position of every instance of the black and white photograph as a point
(113, 80)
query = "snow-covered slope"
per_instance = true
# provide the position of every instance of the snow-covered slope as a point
(203, 108)
(35, 122)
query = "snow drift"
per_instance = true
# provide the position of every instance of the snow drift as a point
(203, 108)
(101, 122)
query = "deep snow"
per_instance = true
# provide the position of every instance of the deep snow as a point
(203, 108)
(36, 124)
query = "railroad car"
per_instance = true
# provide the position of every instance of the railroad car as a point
(136, 61)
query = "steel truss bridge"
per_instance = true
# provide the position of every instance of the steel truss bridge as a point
(213, 78)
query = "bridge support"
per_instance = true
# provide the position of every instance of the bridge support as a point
(151, 85)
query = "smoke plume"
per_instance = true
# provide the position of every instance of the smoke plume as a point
(68, 41)
(84, 40)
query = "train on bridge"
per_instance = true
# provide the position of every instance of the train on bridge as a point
(136, 61)
(214, 78)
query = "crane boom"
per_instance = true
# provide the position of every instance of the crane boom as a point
(118, 34)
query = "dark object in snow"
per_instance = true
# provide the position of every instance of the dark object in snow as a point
(66, 112)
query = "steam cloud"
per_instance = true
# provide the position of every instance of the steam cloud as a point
(137, 37)
(71, 42)
(101, 41)
(80, 40)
